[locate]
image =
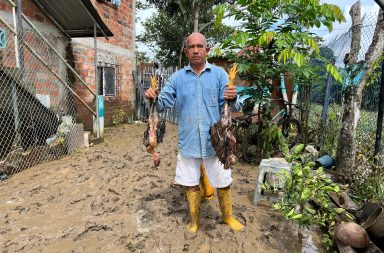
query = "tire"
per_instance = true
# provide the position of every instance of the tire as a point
(250, 149)
(291, 130)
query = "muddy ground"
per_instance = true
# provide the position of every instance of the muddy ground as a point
(110, 198)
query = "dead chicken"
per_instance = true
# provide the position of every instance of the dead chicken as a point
(222, 137)
(156, 127)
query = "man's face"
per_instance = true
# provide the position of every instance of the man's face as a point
(196, 49)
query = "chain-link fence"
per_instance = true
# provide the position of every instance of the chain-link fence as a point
(37, 109)
(338, 49)
(143, 82)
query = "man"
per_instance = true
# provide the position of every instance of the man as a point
(198, 91)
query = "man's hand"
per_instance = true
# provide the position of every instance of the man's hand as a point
(150, 94)
(230, 92)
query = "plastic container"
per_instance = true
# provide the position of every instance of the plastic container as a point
(325, 161)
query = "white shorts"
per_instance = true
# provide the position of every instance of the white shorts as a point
(188, 171)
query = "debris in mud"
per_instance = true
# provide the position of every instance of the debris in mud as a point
(130, 247)
(91, 226)
(113, 191)
(185, 247)
(79, 199)
(140, 245)
(147, 220)
(3, 176)
(19, 159)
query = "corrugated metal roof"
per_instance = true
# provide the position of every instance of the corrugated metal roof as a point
(74, 17)
(380, 3)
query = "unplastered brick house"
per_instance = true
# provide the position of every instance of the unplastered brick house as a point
(40, 65)
(115, 59)
(115, 55)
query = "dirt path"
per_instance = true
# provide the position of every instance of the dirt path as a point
(109, 198)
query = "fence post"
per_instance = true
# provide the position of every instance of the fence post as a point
(20, 60)
(98, 125)
(20, 36)
(324, 111)
(380, 113)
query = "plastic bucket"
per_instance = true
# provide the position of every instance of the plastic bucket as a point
(325, 161)
(375, 223)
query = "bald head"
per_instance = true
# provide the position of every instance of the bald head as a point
(196, 51)
(195, 36)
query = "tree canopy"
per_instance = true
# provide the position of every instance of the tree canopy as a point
(165, 30)
(275, 37)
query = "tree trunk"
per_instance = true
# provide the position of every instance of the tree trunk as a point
(379, 125)
(345, 157)
(196, 18)
(306, 103)
(355, 13)
(346, 148)
(181, 53)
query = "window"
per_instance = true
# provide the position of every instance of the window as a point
(3, 38)
(115, 3)
(107, 81)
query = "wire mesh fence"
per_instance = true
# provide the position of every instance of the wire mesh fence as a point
(37, 109)
(339, 48)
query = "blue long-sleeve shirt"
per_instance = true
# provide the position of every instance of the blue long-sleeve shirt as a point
(199, 100)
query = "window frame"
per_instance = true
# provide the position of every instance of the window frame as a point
(102, 67)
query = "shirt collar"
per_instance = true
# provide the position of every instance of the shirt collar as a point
(206, 67)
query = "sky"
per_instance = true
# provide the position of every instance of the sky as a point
(367, 6)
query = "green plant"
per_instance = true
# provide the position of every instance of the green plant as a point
(119, 116)
(375, 73)
(60, 140)
(329, 132)
(367, 183)
(294, 154)
(365, 130)
(275, 38)
(366, 133)
(271, 140)
(306, 200)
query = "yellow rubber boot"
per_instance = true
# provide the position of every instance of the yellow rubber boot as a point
(201, 188)
(225, 201)
(193, 198)
(208, 190)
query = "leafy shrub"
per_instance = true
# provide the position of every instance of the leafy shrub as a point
(367, 182)
(306, 199)
(329, 132)
(119, 116)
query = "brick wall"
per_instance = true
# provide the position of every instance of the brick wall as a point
(38, 79)
(120, 22)
(120, 53)
(83, 115)
(29, 9)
